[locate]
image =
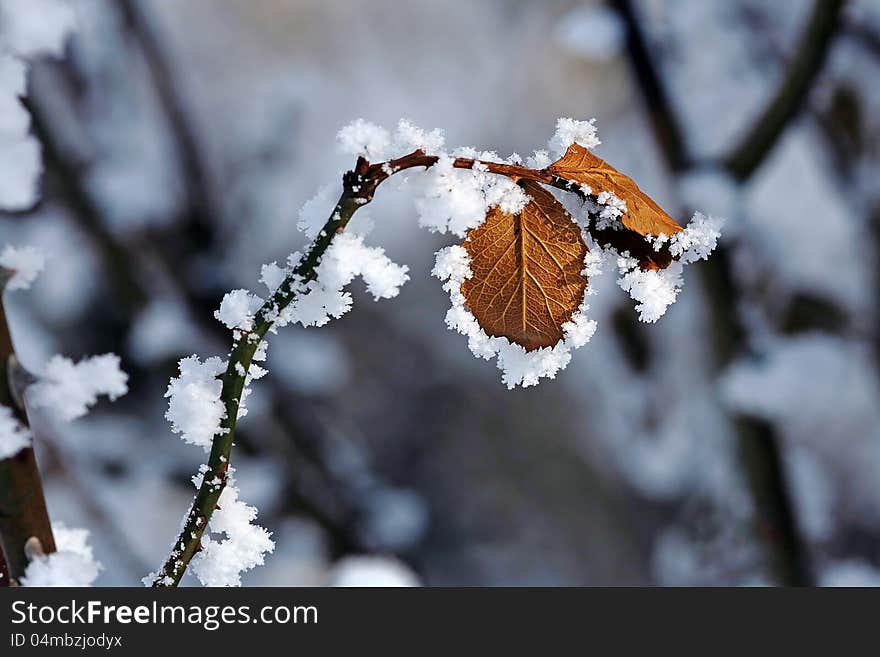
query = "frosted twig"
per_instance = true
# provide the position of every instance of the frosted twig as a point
(359, 186)
(357, 191)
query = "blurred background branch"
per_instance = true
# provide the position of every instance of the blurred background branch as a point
(23, 512)
(776, 524)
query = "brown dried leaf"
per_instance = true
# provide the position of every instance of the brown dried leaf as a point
(526, 268)
(643, 215)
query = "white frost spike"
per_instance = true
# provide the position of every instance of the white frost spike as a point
(518, 366)
(410, 137)
(362, 138)
(698, 239)
(69, 388)
(540, 159)
(570, 131)
(254, 372)
(237, 309)
(26, 262)
(244, 545)
(314, 212)
(593, 262)
(194, 406)
(654, 290)
(73, 564)
(271, 275)
(456, 200)
(611, 209)
(375, 143)
(345, 258)
(13, 436)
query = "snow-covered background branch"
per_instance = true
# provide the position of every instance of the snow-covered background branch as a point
(178, 143)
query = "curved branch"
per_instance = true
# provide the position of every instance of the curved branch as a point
(359, 186)
(811, 53)
(357, 191)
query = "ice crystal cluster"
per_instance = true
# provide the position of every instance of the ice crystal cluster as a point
(69, 388)
(231, 543)
(655, 290)
(72, 564)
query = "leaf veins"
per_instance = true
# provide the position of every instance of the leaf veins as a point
(642, 217)
(527, 279)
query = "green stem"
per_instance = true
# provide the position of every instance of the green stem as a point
(357, 191)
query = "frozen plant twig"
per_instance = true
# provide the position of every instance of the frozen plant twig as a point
(294, 290)
(359, 186)
(233, 380)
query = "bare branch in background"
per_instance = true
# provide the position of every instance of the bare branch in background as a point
(809, 56)
(205, 207)
(765, 474)
(23, 512)
(657, 101)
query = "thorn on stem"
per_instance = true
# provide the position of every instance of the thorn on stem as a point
(33, 548)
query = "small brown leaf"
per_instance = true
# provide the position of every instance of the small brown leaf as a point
(526, 268)
(643, 216)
